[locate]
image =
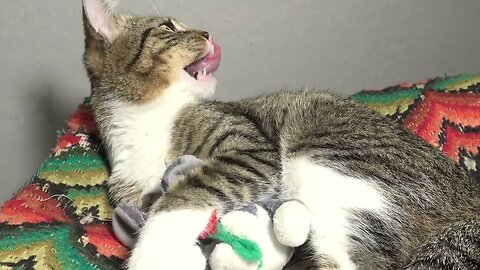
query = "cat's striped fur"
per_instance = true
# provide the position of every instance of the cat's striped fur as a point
(379, 197)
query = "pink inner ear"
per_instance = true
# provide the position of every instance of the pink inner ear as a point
(99, 18)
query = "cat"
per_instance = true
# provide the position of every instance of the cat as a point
(379, 197)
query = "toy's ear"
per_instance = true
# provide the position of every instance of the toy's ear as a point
(99, 23)
(173, 174)
(127, 222)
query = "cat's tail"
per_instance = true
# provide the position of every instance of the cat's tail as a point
(457, 247)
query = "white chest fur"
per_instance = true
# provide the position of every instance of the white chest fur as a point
(139, 137)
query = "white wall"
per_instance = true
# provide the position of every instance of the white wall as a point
(343, 45)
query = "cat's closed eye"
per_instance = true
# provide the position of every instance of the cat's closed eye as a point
(169, 25)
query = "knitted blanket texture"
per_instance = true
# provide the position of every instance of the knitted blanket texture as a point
(61, 218)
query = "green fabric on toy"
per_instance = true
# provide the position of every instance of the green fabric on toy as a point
(262, 235)
(277, 227)
(243, 247)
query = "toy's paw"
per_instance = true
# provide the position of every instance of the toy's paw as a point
(169, 241)
(253, 224)
(224, 257)
(291, 223)
(189, 258)
(127, 221)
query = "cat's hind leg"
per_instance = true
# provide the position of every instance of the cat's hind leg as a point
(457, 247)
(331, 198)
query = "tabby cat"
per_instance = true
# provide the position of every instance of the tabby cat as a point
(379, 197)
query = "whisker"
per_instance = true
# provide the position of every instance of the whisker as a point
(154, 7)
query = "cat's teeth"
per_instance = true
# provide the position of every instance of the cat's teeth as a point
(204, 72)
(211, 49)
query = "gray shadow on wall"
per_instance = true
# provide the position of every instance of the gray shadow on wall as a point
(51, 112)
(41, 107)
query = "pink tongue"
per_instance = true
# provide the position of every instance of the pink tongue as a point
(207, 65)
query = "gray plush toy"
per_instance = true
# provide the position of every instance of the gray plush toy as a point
(276, 226)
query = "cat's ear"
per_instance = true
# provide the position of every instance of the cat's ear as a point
(99, 23)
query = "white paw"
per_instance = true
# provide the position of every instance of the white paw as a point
(291, 223)
(168, 241)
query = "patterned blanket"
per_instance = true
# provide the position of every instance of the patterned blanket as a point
(61, 218)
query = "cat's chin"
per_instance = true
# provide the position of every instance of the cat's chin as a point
(200, 89)
(198, 76)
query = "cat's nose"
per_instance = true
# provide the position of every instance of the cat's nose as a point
(206, 35)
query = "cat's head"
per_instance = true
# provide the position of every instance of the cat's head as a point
(136, 59)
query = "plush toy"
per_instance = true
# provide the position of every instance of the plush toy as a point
(276, 226)
(263, 235)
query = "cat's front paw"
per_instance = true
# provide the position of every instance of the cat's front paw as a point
(169, 241)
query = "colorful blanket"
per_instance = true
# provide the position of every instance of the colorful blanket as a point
(61, 218)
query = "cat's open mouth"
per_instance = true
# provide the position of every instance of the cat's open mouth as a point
(206, 65)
